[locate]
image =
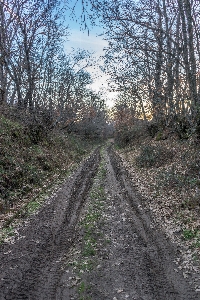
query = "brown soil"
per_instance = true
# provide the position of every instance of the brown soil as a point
(137, 263)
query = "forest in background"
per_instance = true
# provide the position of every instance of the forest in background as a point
(42, 85)
(152, 59)
(154, 62)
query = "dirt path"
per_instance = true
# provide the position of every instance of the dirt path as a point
(31, 267)
(95, 241)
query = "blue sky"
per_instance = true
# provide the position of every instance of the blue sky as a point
(94, 43)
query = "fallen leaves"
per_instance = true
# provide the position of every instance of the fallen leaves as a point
(172, 207)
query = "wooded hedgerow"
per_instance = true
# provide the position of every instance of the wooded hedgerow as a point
(38, 80)
(154, 58)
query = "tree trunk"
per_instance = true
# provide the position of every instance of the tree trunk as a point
(188, 49)
(157, 97)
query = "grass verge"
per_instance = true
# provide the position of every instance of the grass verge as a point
(30, 171)
(89, 226)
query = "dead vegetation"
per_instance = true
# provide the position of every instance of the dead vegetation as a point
(167, 174)
(31, 163)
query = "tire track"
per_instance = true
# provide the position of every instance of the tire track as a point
(31, 267)
(136, 264)
(155, 273)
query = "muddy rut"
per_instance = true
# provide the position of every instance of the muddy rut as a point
(136, 264)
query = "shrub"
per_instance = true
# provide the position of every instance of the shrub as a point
(123, 137)
(193, 164)
(152, 156)
(156, 127)
(183, 127)
(44, 163)
(162, 135)
(36, 132)
(126, 136)
(152, 128)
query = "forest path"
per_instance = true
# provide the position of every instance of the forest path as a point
(93, 240)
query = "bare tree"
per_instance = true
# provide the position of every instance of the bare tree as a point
(154, 51)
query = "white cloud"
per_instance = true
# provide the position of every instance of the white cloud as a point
(79, 39)
(96, 44)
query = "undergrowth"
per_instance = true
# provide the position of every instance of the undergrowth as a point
(28, 168)
(153, 156)
(167, 173)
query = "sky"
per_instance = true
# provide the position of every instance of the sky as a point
(93, 43)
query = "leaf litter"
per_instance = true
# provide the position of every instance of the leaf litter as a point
(169, 206)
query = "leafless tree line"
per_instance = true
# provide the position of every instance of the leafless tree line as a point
(154, 56)
(35, 72)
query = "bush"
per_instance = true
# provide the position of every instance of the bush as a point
(191, 159)
(123, 137)
(183, 127)
(152, 128)
(152, 156)
(126, 136)
(162, 135)
(36, 132)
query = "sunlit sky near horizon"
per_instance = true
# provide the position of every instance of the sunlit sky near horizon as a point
(78, 39)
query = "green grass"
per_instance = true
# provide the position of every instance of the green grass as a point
(196, 244)
(89, 225)
(5, 233)
(193, 235)
(89, 248)
(33, 206)
(82, 289)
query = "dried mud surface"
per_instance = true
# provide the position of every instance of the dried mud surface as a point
(137, 263)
